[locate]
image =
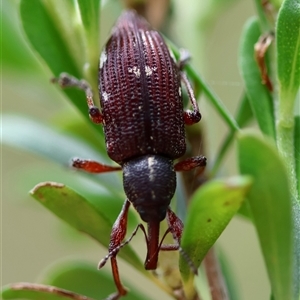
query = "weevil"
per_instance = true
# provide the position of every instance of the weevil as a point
(144, 125)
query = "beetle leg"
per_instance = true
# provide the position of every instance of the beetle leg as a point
(92, 166)
(190, 163)
(175, 225)
(116, 237)
(190, 116)
(176, 228)
(115, 251)
(66, 80)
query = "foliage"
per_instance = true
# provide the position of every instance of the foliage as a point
(65, 37)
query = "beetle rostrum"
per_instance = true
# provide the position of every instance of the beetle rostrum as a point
(144, 124)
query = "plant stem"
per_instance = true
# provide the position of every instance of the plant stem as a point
(285, 144)
(215, 277)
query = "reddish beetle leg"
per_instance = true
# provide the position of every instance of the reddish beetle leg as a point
(66, 80)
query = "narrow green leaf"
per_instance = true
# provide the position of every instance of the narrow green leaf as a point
(200, 84)
(33, 291)
(37, 138)
(270, 204)
(214, 99)
(258, 95)
(55, 36)
(12, 42)
(89, 12)
(80, 214)
(243, 116)
(210, 210)
(265, 21)
(45, 38)
(297, 150)
(84, 278)
(244, 112)
(288, 58)
(81, 280)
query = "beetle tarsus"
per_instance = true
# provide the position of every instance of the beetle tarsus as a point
(121, 289)
(194, 116)
(66, 80)
(94, 113)
(190, 163)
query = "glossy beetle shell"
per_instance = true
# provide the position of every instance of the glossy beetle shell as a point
(140, 93)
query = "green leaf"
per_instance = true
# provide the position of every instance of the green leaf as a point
(89, 12)
(243, 116)
(258, 95)
(210, 210)
(266, 22)
(200, 84)
(244, 113)
(79, 277)
(12, 42)
(57, 38)
(270, 204)
(32, 291)
(37, 138)
(297, 150)
(84, 278)
(45, 37)
(80, 214)
(288, 58)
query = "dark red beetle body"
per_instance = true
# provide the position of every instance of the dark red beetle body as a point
(140, 82)
(143, 119)
(142, 112)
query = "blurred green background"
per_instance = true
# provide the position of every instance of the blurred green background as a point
(32, 238)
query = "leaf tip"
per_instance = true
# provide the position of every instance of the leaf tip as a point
(41, 185)
(239, 181)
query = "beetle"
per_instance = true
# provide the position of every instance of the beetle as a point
(144, 124)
